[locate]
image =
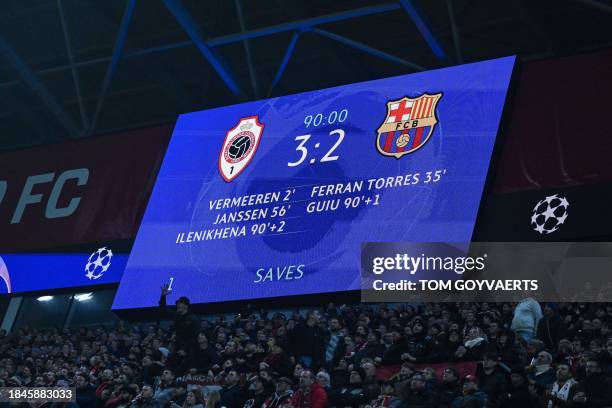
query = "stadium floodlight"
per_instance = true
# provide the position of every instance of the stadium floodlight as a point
(83, 297)
(44, 298)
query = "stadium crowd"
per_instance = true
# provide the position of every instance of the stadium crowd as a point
(375, 356)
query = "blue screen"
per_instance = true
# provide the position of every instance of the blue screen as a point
(33, 272)
(275, 197)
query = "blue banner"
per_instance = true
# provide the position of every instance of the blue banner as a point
(33, 272)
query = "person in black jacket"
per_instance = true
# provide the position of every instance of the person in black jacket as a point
(518, 394)
(417, 345)
(397, 348)
(352, 395)
(85, 392)
(311, 341)
(186, 324)
(595, 390)
(551, 328)
(203, 357)
(258, 392)
(493, 381)
(415, 395)
(231, 394)
(450, 388)
(371, 349)
(340, 374)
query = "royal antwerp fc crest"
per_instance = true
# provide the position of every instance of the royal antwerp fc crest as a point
(239, 147)
(409, 124)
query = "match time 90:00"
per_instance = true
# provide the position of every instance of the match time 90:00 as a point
(37, 394)
(310, 150)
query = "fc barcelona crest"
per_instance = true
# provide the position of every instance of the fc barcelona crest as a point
(409, 124)
(239, 147)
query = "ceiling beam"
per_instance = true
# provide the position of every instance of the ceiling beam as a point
(303, 25)
(29, 77)
(465, 30)
(112, 66)
(247, 50)
(424, 27)
(367, 49)
(75, 73)
(606, 8)
(284, 62)
(455, 31)
(191, 28)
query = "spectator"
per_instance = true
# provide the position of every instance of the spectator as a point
(518, 394)
(123, 398)
(493, 380)
(335, 346)
(417, 347)
(231, 394)
(145, 399)
(475, 343)
(508, 349)
(121, 359)
(563, 388)
(431, 378)
(340, 374)
(540, 370)
(311, 344)
(85, 393)
(282, 396)
(395, 348)
(310, 394)
(179, 396)
(352, 395)
(195, 399)
(106, 380)
(471, 397)
(369, 381)
(415, 395)
(324, 380)
(450, 388)
(527, 315)
(186, 324)
(277, 359)
(212, 399)
(371, 349)
(203, 356)
(164, 391)
(550, 328)
(387, 397)
(249, 359)
(257, 393)
(297, 372)
(595, 390)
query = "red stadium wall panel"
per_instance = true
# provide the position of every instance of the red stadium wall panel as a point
(559, 131)
(556, 153)
(78, 192)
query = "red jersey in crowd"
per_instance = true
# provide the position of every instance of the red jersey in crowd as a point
(316, 398)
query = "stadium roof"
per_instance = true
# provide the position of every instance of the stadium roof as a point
(76, 68)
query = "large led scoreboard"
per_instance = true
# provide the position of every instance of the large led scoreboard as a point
(275, 197)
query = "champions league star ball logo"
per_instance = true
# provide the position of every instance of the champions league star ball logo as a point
(98, 263)
(4, 275)
(549, 214)
(239, 147)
